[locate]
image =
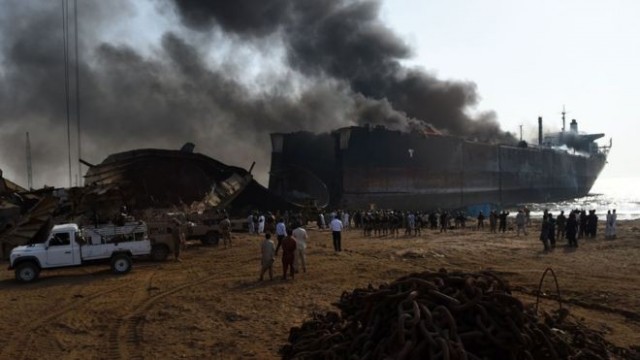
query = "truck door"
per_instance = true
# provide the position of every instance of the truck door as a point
(60, 250)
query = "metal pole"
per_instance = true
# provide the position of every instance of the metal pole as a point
(65, 40)
(75, 13)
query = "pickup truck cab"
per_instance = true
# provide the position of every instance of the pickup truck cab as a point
(68, 245)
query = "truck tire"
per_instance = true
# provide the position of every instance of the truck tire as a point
(121, 264)
(211, 238)
(159, 252)
(27, 271)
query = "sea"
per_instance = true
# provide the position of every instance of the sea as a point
(619, 193)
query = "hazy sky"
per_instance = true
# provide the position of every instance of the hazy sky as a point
(526, 59)
(529, 58)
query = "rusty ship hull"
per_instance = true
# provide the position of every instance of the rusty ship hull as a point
(159, 178)
(361, 167)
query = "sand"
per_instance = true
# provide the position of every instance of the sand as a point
(211, 305)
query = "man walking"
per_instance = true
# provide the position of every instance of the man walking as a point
(268, 250)
(300, 236)
(288, 254)
(336, 232)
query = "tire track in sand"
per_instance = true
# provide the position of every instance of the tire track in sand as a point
(126, 338)
(22, 339)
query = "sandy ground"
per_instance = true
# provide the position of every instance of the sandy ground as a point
(210, 306)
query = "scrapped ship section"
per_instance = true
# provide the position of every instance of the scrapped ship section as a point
(362, 167)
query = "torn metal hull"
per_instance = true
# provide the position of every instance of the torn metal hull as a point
(171, 178)
(364, 167)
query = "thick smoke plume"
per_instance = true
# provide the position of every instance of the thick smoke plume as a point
(338, 65)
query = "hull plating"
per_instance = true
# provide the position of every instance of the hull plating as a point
(389, 169)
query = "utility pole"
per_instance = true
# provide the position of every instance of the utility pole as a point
(29, 169)
(75, 14)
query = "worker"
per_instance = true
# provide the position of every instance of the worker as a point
(177, 236)
(300, 236)
(503, 221)
(521, 223)
(268, 250)
(281, 233)
(336, 233)
(480, 221)
(561, 223)
(572, 229)
(252, 228)
(225, 230)
(288, 255)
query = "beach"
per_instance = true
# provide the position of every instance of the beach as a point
(211, 305)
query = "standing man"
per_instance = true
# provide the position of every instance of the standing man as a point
(614, 218)
(252, 228)
(261, 224)
(444, 221)
(270, 223)
(268, 250)
(288, 254)
(281, 233)
(561, 223)
(336, 232)
(572, 229)
(493, 221)
(480, 221)
(177, 235)
(521, 222)
(256, 223)
(225, 230)
(300, 236)
(503, 221)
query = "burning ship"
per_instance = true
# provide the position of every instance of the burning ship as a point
(364, 166)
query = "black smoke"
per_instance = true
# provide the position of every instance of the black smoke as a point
(346, 40)
(341, 66)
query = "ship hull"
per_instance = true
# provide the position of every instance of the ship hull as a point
(375, 167)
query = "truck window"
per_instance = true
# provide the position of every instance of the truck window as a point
(139, 236)
(60, 239)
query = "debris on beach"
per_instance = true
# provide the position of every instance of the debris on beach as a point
(444, 315)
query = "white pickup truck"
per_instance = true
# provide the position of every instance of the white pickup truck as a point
(68, 245)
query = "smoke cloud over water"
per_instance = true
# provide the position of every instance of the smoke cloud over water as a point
(339, 65)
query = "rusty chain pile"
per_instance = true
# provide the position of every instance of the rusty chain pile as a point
(438, 315)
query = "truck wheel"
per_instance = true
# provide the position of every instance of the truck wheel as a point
(211, 238)
(121, 264)
(27, 272)
(159, 252)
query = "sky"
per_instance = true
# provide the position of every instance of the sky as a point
(157, 74)
(531, 58)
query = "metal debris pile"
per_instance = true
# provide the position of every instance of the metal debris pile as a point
(441, 315)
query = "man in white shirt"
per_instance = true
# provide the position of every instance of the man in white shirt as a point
(281, 232)
(301, 237)
(336, 232)
(268, 250)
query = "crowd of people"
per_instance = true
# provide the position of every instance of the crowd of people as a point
(291, 236)
(579, 224)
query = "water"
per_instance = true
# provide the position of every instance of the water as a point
(622, 194)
